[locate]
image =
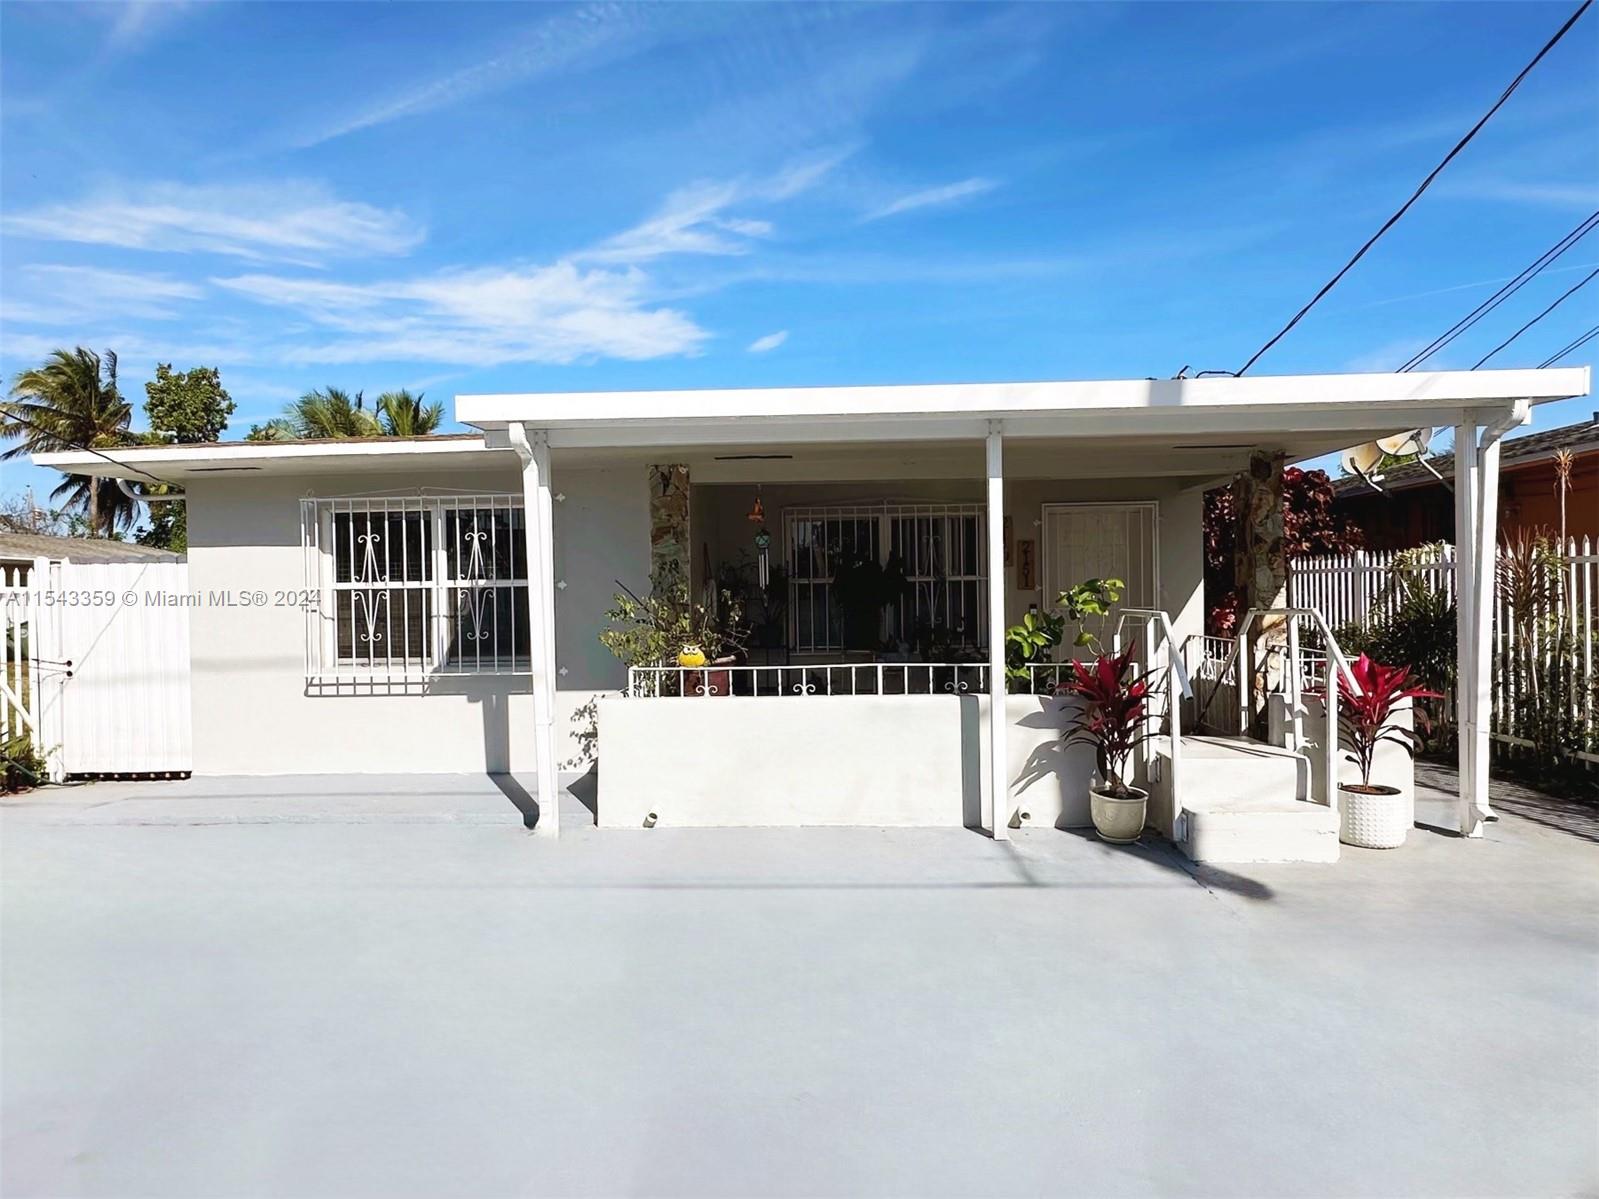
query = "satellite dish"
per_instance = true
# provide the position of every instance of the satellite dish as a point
(1413, 441)
(1362, 459)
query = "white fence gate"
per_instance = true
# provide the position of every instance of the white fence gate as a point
(96, 666)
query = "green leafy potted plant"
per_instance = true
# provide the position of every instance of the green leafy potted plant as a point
(1029, 643)
(1114, 719)
(1372, 816)
(662, 628)
(1034, 640)
(1090, 598)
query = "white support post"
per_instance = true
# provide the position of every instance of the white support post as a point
(999, 771)
(1482, 621)
(538, 527)
(1467, 538)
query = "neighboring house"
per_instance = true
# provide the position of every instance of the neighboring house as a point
(19, 551)
(435, 604)
(1414, 508)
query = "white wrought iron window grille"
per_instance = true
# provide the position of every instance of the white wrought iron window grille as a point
(942, 549)
(412, 587)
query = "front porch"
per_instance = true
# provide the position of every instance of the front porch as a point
(1015, 475)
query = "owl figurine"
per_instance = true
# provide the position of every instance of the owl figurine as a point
(691, 655)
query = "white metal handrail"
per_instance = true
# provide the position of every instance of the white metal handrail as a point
(1158, 629)
(1294, 685)
(822, 678)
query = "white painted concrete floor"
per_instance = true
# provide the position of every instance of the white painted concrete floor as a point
(308, 987)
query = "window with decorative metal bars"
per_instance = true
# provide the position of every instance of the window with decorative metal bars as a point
(408, 587)
(942, 550)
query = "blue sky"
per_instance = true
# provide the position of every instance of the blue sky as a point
(466, 197)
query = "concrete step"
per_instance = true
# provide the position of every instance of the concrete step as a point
(1247, 802)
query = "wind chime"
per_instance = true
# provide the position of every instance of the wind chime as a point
(763, 541)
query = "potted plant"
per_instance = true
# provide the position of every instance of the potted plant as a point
(1115, 720)
(1372, 816)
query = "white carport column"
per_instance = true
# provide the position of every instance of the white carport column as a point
(1465, 624)
(999, 771)
(538, 523)
(1476, 564)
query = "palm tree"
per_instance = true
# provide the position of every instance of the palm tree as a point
(321, 414)
(71, 402)
(404, 415)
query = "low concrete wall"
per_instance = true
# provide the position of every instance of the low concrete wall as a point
(831, 760)
(1391, 766)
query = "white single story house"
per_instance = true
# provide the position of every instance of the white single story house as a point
(434, 605)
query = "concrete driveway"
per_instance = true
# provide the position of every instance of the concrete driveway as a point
(308, 987)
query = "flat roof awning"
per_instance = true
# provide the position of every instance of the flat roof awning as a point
(1155, 426)
(1333, 404)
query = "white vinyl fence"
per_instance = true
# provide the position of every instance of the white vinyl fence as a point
(1546, 620)
(96, 670)
(1358, 587)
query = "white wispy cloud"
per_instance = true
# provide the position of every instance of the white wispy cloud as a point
(559, 313)
(948, 193)
(136, 22)
(586, 35)
(696, 219)
(691, 221)
(63, 293)
(1538, 193)
(770, 342)
(293, 221)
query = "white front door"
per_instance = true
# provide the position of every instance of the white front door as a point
(1100, 541)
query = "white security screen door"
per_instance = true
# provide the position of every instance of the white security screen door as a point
(1103, 541)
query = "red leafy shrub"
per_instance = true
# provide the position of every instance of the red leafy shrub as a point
(1365, 719)
(1115, 714)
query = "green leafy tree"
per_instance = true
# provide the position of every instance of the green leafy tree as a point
(72, 402)
(187, 406)
(184, 407)
(402, 414)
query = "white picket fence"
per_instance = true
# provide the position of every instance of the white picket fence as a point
(96, 667)
(1359, 587)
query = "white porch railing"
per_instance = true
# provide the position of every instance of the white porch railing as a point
(1158, 633)
(1294, 683)
(843, 678)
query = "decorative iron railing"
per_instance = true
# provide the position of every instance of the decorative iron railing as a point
(844, 678)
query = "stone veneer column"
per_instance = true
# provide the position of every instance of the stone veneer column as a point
(669, 536)
(1260, 566)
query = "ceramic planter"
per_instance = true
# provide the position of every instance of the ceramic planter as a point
(1118, 821)
(1371, 817)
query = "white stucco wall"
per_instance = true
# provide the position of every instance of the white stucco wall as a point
(251, 711)
(879, 761)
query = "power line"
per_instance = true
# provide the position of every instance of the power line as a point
(11, 413)
(1528, 273)
(1425, 184)
(1559, 354)
(1588, 279)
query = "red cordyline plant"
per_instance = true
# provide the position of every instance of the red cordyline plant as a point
(1365, 719)
(1115, 715)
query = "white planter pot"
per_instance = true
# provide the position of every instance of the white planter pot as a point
(1375, 819)
(1118, 821)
